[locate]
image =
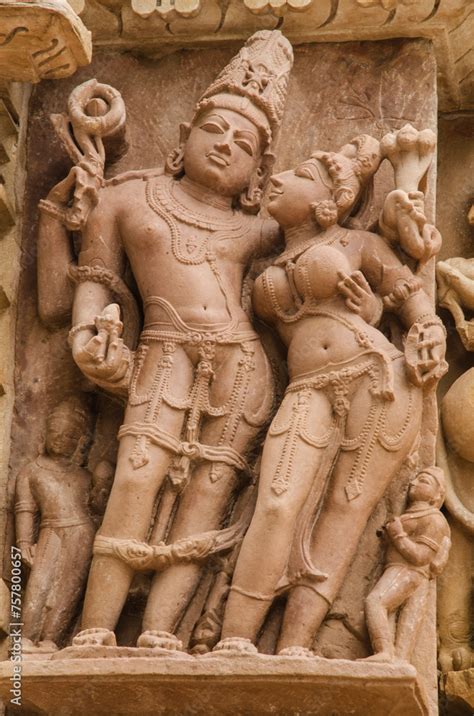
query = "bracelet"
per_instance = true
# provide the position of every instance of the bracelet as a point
(48, 207)
(431, 319)
(78, 328)
(404, 290)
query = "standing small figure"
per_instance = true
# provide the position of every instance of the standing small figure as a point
(419, 543)
(57, 488)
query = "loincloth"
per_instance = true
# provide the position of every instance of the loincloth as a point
(196, 404)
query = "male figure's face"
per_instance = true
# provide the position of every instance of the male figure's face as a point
(222, 151)
(61, 438)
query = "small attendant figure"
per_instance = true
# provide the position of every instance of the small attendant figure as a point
(419, 543)
(56, 488)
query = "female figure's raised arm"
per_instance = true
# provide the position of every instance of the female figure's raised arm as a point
(403, 294)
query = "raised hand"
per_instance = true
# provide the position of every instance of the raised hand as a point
(403, 222)
(410, 152)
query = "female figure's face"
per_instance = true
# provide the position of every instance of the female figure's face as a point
(292, 193)
(222, 151)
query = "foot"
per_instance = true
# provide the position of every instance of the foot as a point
(95, 637)
(47, 646)
(456, 659)
(300, 651)
(38, 650)
(235, 645)
(28, 646)
(381, 656)
(151, 639)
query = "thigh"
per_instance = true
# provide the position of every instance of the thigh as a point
(395, 586)
(297, 439)
(240, 398)
(379, 437)
(243, 388)
(150, 432)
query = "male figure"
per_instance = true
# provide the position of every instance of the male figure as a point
(57, 488)
(200, 387)
(419, 543)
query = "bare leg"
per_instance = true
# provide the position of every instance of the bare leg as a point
(393, 589)
(39, 584)
(207, 498)
(68, 585)
(342, 521)
(130, 506)
(266, 547)
(410, 620)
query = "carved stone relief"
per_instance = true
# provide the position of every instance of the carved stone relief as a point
(455, 293)
(167, 9)
(55, 487)
(150, 27)
(41, 39)
(419, 544)
(182, 289)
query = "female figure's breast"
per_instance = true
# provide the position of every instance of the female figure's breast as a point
(272, 293)
(317, 272)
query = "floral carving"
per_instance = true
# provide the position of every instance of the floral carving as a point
(167, 9)
(277, 7)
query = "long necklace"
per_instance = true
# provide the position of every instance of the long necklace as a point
(164, 191)
(195, 251)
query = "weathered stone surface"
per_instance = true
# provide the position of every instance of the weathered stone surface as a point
(457, 688)
(149, 28)
(219, 687)
(324, 102)
(455, 295)
(41, 39)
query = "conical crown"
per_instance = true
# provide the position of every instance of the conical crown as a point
(259, 73)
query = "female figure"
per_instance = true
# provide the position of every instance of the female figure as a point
(352, 410)
(199, 386)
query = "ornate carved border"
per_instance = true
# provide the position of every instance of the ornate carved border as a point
(41, 39)
(151, 26)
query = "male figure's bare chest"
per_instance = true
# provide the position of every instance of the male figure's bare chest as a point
(150, 236)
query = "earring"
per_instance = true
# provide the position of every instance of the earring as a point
(325, 213)
(175, 161)
(251, 198)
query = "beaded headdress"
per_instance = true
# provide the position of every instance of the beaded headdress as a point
(255, 82)
(351, 168)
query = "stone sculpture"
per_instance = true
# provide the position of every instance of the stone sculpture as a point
(199, 385)
(197, 382)
(456, 455)
(351, 413)
(418, 549)
(55, 487)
